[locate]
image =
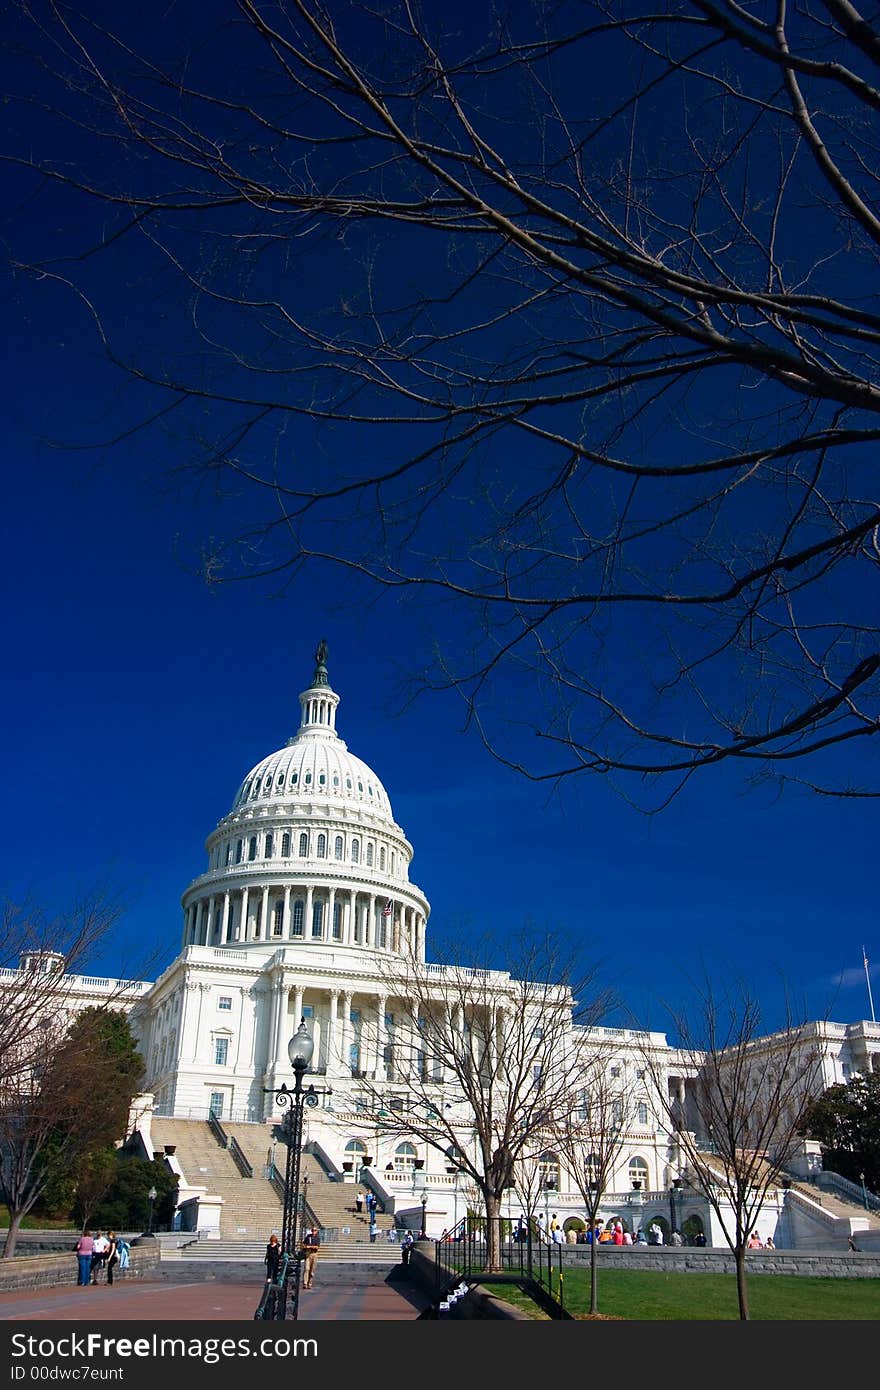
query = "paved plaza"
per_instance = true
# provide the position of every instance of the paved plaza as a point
(204, 1302)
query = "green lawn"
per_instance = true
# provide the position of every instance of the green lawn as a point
(658, 1297)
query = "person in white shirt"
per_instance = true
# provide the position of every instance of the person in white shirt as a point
(99, 1255)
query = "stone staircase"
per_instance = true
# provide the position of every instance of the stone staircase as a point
(251, 1206)
(252, 1251)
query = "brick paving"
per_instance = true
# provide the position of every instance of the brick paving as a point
(204, 1302)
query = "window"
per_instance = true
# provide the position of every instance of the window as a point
(278, 919)
(304, 846)
(405, 1156)
(216, 1106)
(355, 851)
(370, 853)
(239, 849)
(252, 848)
(322, 846)
(548, 1169)
(337, 847)
(229, 853)
(337, 921)
(299, 909)
(382, 858)
(269, 847)
(322, 779)
(642, 1113)
(285, 845)
(355, 1148)
(592, 1167)
(225, 1002)
(221, 1051)
(317, 919)
(638, 1172)
(615, 1071)
(308, 779)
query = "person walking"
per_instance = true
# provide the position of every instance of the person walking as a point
(85, 1248)
(374, 1229)
(272, 1257)
(100, 1246)
(123, 1250)
(406, 1246)
(310, 1246)
(112, 1255)
(359, 1202)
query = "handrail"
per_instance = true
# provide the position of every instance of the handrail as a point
(830, 1181)
(244, 1165)
(217, 1130)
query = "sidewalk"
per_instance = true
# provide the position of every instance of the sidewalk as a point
(204, 1302)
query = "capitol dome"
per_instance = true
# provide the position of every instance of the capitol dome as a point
(310, 852)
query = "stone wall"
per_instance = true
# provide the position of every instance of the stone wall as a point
(50, 1270)
(835, 1264)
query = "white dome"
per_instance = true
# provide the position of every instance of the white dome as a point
(314, 765)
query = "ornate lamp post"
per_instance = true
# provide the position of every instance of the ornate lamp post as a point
(299, 1050)
(674, 1191)
(152, 1195)
(423, 1234)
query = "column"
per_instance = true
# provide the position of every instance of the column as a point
(351, 917)
(281, 1030)
(307, 924)
(332, 1053)
(242, 927)
(297, 1006)
(224, 924)
(345, 1033)
(263, 928)
(370, 924)
(381, 1009)
(330, 906)
(285, 923)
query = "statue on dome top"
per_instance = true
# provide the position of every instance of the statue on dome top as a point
(321, 663)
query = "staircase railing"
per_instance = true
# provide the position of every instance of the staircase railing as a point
(536, 1265)
(217, 1130)
(244, 1165)
(830, 1181)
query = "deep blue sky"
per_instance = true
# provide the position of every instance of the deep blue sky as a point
(136, 699)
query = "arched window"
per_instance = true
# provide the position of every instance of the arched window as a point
(548, 1169)
(252, 848)
(337, 921)
(269, 846)
(318, 918)
(405, 1156)
(278, 919)
(299, 909)
(239, 850)
(285, 845)
(322, 846)
(322, 779)
(355, 851)
(638, 1173)
(356, 1148)
(308, 779)
(382, 858)
(304, 846)
(229, 853)
(338, 847)
(369, 853)
(592, 1166)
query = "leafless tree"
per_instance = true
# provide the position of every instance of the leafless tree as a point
(601, 278)
(479, 1061)
(738, 1130)
(39, 956)
(592, 1137)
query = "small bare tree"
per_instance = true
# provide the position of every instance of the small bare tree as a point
(483, 1058)
(39, 954)
(592, 1137)
(742, 1122)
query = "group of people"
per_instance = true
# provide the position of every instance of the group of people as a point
(308, 1255)
(755, 1242)
(369, 1201)
(99, 1253)
(614, 1233)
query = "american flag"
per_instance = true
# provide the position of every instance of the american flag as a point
(386, 910)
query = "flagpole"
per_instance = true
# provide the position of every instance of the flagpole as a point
(868, 983)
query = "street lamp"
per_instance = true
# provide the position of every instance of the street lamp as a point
(549, 1186)
(152, 1195)
(675, 1190)
(864, 1191)
(423, 1233)
(299, 1050)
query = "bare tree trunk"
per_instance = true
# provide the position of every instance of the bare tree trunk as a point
(493, 1234)
(12, 1235)
(742, 1288)
(594, 1288)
